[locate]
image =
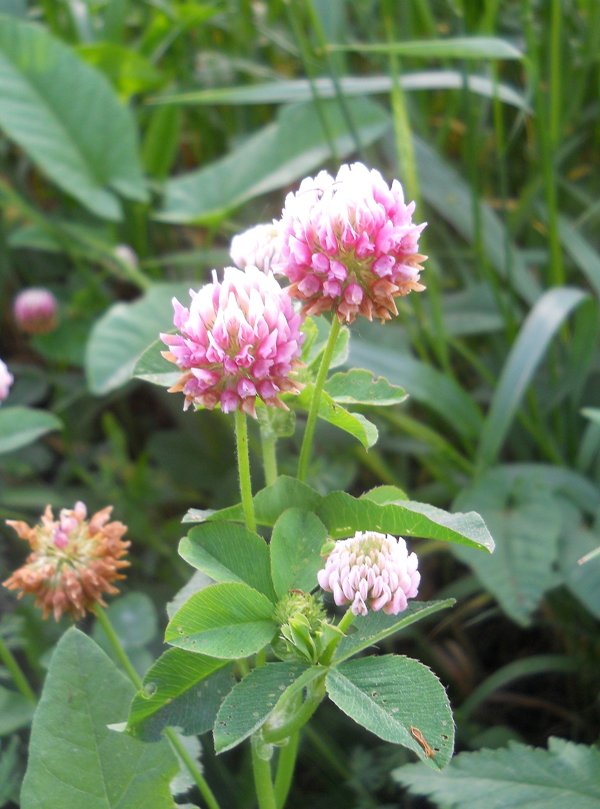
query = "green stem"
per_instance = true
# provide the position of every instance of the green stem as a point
(343, 625)
(16, 672)
(311, 422)
(262, 779)
(176, 743)
(285, 769)
(118, 649)
(241, 437)
(298, 720)
(269, 457)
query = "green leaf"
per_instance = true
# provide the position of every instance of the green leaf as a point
(362, 387)
(397, 699)
(296, 543)
(564, 775)
(374, 627)
(20, 426)
(329, 410)
(67, 118)
(15, 711)
(228, 620)
(384, 494)
(581, 578)
(537, 332)
(154, 368)
(269, 503)
(425, 384)
(344, 515)
(450, 196)
(525, 519)
(229, 552)
(74, 759)
(181, 690)
(443, 48)
(124, 332)
(127, 69)
(249, 703)
(270, 159)
(286, 91)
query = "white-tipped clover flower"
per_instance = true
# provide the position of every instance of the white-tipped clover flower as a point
(35, 310)
(371, 571)
(257, 247)
(6, 380)
(239, 341)
(349, 245)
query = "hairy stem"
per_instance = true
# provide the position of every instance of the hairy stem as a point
(241, 437)
(311, 422)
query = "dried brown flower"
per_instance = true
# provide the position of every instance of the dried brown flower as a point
(74, 561)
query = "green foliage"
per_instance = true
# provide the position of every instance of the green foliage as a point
(74, 757)
(67, 118)
(564, 775)
(398, 699)
(228, 620)
(20, 426)
(229, 552)
(296, 543)
(274, 157)
(15, 711)
(369, 630)
(343, 515)
(124, 332)
(249, 704)
(181, 689)
(361, 387)
(525, 520)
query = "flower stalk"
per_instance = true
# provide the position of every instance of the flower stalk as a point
(311, 423)
(241, 438)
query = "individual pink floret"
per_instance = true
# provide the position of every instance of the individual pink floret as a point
(35, 310)
(6, 380)
(239, 341)
(349, 245)
(371, 571)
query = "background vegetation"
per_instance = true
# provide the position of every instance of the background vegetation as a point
(167, 127)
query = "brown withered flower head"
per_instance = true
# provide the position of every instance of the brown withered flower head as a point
(74, 561)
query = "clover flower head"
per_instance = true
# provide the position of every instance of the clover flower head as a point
(238, 342)
(6, 380)
(74, 561)
(257, 247)
(35, 310)
(371, 571)
(349, 245)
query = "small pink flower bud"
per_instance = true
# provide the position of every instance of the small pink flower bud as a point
(6, 380)
(371, 571)
(35, 311)
(348, 233)
(239, 341)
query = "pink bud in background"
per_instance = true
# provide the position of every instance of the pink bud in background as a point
(35, 311)
(6, 380)
(371, 571)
